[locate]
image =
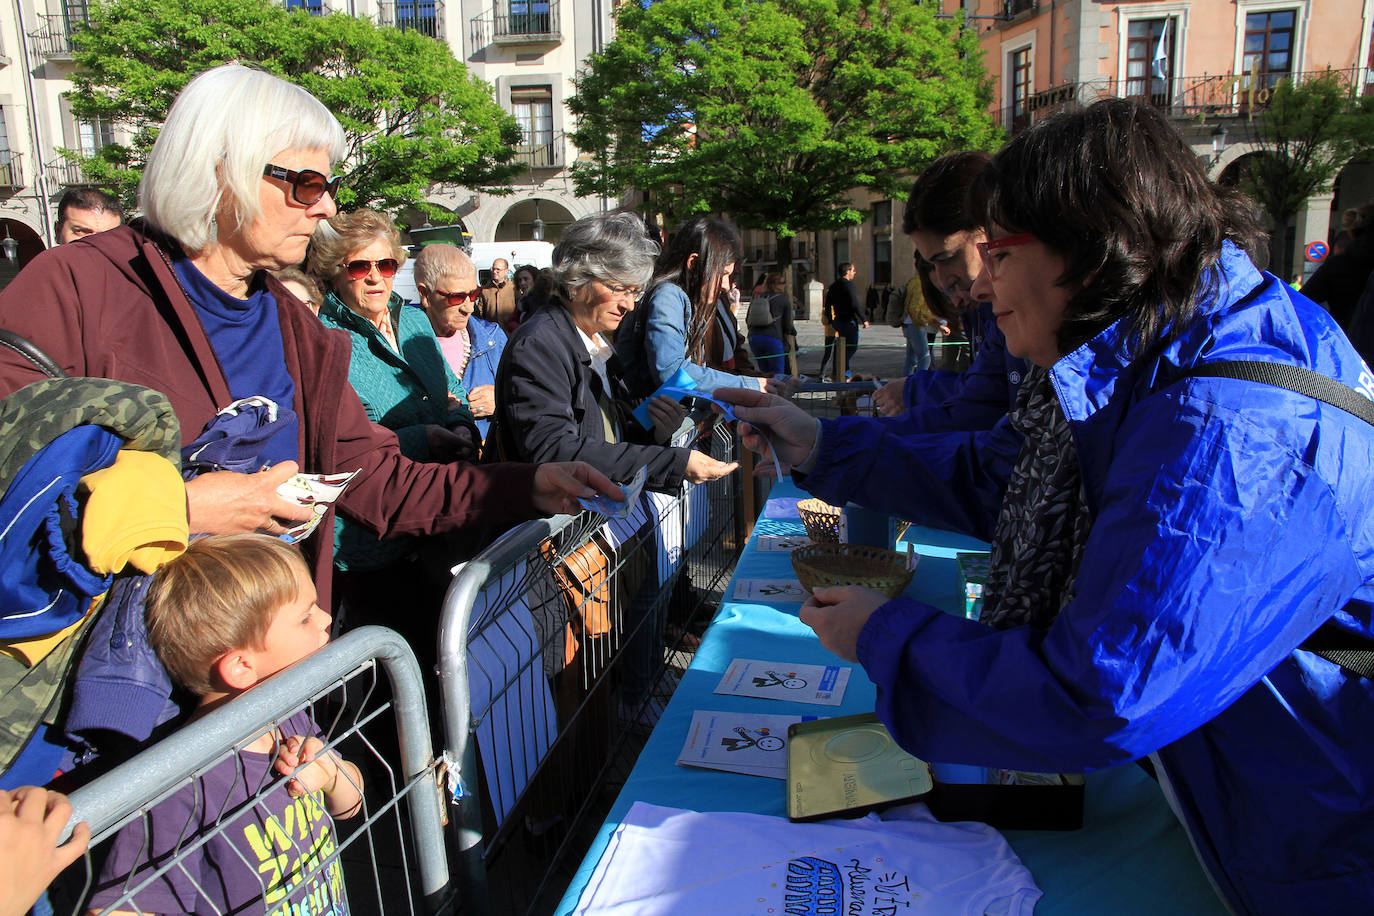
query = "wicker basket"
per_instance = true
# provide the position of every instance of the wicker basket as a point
(821, 519)
(822, 565)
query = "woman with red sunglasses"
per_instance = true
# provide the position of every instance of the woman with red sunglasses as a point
(405, 384)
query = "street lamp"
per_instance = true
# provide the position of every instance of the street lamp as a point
(537, 227)
(10, 246)
(1218, 143)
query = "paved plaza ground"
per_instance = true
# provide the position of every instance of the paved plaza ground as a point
(882, 350)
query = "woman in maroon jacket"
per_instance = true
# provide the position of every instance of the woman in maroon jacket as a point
(184, 303)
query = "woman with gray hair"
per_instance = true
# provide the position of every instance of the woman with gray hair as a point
(562, 393)
(449, 292)
(183, 302)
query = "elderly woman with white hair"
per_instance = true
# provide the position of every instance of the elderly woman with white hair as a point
(183, 302)
(562, 393)
(449, 293)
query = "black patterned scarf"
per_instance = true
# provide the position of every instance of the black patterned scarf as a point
(1044, 521)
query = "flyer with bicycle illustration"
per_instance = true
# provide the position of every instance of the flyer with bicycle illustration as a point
(739, 742)
(822, 685)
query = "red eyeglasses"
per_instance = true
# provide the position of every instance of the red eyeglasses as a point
(307, 185)
(387, 267)
(985, 249)
(456, 299)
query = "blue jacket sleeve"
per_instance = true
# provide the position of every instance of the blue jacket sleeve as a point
(951, 480)
(665, 343)
(986, 392)
(1200, 575)
(929, 387)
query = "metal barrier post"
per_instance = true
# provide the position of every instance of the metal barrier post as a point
(455, 620)
(106, 800)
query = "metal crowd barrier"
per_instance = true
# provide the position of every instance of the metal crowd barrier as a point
(382, 859)
(553, 666)
(826, 400)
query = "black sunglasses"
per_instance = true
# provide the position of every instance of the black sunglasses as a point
(360, 268)
(307, 185)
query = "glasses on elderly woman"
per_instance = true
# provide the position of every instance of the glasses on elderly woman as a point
(307, 185)
(457, 299)
(985, 249)
(360, 268)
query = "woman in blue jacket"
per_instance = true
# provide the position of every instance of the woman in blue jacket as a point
(1169, 542)
(679, 325)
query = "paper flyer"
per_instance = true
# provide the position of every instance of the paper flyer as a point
(604, 505)
(781, 543)
(821, 685)
(771, 591)
(315, 490)
(739, 742)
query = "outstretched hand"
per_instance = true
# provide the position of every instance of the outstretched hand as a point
(559, 485)
(31, 822)
(838, 615)
(227, 502)
(889, 399)
(770, 425)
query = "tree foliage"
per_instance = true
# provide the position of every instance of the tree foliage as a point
(413, 114)
(1305, 136)
(772, 110)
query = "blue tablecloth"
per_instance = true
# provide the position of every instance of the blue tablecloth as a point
(1131, 857)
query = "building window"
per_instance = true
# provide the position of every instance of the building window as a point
(313, 7)
(74, 12)
(1150, 47)
(840, 249)
(533, 108)
(1269, 47)
(530, 17)
(882, 260)
(1019, 89)
(882, 215)
(9, 168)
(92, 134)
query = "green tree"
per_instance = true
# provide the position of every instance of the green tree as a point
(1304, 136)
(772, 110)
(413, 114)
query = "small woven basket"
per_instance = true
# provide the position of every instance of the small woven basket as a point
(822, 565)
(821, 519)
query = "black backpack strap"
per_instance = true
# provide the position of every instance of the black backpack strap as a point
(1351, 651)
(12, 341)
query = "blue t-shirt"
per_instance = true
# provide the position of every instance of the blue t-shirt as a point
(246, 337)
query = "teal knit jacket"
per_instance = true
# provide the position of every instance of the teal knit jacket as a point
(404, 392)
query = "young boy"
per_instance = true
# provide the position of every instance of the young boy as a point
(229, 612)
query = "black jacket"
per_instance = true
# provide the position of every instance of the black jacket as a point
(547, 407)
(843, 301)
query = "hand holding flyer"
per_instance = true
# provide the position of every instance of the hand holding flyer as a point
(318, 491)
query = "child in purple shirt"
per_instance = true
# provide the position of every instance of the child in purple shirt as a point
(231, 611)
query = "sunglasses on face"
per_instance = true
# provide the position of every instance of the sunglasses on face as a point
(358, 269)
(307, 185)
(456, 299)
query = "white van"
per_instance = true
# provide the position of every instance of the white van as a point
(539, 254)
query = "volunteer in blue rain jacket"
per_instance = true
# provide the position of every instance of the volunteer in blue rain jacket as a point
(1166, 544)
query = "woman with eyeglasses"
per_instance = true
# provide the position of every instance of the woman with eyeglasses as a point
(449, 293)
(1182, 543)
(182, 301)
(563, 395)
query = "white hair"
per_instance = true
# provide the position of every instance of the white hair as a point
(611, 247)
(220, 134)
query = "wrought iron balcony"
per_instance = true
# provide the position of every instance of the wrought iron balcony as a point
(1188, 97)
(517, 22)
(423, 16)
(66, 174)
(11, 175)
(545, 153)
(53, 37)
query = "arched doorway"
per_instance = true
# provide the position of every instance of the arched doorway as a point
(518, 223)
(30, 244)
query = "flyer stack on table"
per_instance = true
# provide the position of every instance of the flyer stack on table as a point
(1130, 857)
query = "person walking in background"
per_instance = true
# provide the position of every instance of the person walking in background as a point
(770, 323)
(86, 211)
(907, 309)
(846, 312)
